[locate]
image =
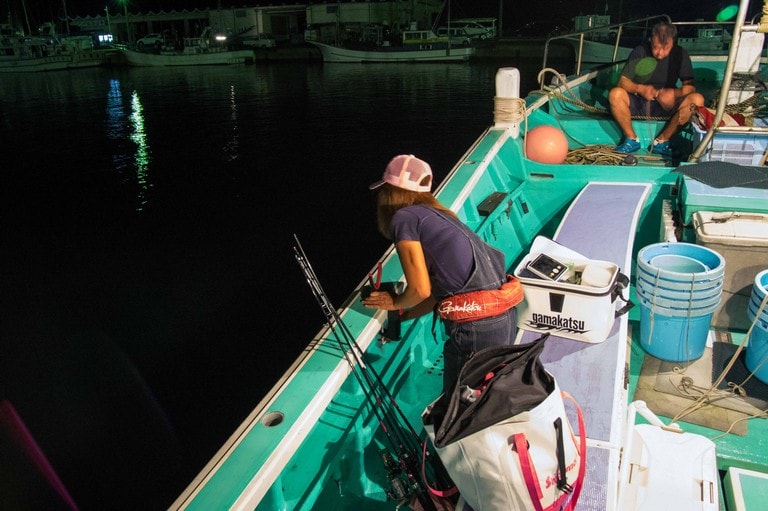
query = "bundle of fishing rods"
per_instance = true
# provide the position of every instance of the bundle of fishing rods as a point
(413, 469)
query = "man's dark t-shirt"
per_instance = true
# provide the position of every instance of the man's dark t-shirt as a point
(643, 68)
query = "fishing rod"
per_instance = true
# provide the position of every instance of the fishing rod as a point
(379, 399)
(405, 467)
(348, 340)
(334, 318)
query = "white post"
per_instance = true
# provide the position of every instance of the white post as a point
(509, 109)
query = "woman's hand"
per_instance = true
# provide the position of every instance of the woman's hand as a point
(418, 286)
(380, 300)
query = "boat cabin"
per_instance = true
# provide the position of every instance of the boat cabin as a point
(424, 40)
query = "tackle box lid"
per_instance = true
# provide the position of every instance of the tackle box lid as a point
(732, 228)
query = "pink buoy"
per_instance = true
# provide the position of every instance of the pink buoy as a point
(546, 144)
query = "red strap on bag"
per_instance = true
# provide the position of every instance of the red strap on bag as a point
(526, 464)
(437, 493)
(532, 480)
(582, 453)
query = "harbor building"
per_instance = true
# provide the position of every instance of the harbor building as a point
(284, 23)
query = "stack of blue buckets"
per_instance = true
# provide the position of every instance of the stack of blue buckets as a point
(679, 286)
(757, 349)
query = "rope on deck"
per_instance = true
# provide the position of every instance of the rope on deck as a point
(595, 155)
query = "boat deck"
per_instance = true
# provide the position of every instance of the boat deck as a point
(594, 374)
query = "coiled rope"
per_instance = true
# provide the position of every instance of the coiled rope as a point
(595, 155)
(508, 110)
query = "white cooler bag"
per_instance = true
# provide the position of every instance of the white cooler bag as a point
(577, 300)
(503, 434)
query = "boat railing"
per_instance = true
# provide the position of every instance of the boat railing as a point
(615, 33)
(739, 28)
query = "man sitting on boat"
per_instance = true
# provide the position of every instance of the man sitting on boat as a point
(648, 87)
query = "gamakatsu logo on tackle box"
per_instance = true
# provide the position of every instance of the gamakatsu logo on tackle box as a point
(545, 322)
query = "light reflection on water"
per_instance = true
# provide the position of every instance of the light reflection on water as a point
(142, 158)
(157, 206)
(231, 149)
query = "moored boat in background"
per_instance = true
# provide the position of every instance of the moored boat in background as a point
(208, 49)
(188, 57)
(408, 39)
(47, 51)
(415, 46)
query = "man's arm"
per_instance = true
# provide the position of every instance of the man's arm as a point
(667, 97)
(686, 88)
(648, 92)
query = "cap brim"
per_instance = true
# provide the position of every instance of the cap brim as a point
(376, 184)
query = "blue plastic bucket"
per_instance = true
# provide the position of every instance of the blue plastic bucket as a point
(752, 312)
(679, 286)
(753, 307)
(760, 286)
(683, 311)
(706, 257)
(757, 348)
(756, 300)
(673, 338)
(677, 264)
(655, 282)
(756, 352)
(684, 304)
(648, 288)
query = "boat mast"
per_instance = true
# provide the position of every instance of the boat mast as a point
(66, 17)
(499, 27)
(26, 16)
(449, 25)
(436, 22)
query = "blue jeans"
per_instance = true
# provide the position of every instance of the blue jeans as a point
(464, 339)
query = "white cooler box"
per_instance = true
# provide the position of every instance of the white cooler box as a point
(581, 311)
(664, 468)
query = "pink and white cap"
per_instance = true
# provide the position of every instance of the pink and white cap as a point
(407, 172)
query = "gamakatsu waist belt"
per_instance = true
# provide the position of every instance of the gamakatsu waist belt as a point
(481, 304)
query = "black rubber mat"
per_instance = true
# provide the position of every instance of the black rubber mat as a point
(721, 174)
(721, 355)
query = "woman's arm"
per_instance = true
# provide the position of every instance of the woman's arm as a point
(418, 287)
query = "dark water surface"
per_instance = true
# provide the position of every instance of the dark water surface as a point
(149, 294)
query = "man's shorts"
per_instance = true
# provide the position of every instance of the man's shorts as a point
(641, 107)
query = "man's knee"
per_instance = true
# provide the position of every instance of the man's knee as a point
(617, 95)
(694, 98)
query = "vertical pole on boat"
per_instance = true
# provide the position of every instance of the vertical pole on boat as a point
(509, 109)
(501, 13)
(127, 26)
(66, 16)
(725, 87)
(26, 16)
(449, 27)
